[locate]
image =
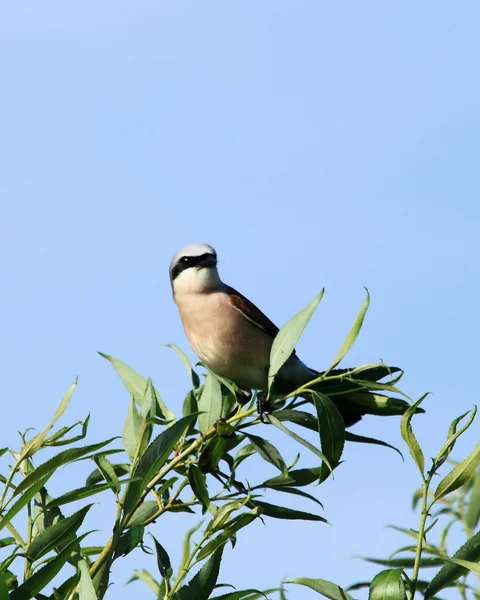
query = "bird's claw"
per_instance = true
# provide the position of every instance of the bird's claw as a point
(263, 406)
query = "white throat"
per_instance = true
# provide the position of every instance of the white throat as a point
(195, 280)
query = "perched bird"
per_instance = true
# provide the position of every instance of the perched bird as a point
(229, 334)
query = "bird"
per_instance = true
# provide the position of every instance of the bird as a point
(229, 334)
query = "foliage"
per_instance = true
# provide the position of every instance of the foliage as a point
(191, 464)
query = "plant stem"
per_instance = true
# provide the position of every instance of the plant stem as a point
(426, 506)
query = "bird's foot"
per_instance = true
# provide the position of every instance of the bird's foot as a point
(264, 406)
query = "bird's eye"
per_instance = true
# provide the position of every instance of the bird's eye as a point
(186, 260)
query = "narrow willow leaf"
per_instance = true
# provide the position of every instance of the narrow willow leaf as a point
(228, 533)
(404, 563)
(297, 478)
(453, 435)
(163, 560)
(470, 551)
(149, 402)
(36, 442)
(86, 591)
(274, 421)
(24, 500)
(303, 419)
(198, 484)
(459, 475)
(244, 453)
(56, 535)
(209, 403)
(325, 588)
(108, 472)
(186, 544)
(144, 513)
(136, 385)
(129, 540)
(216, 449)
(288, 336)
(146, 577)
(42, 577)
(352, 334)
(409, 437)
(193, 375)
(331, 429)
(62, 458)
(295, 492)
(131, 429)
(190, 406)
(80, 493)
(360, 439)
(268, 452)
(282, 512)
(472, 514)
(97, 476)
(153, 459)
(203, 584)
(466, 564)
(388, 585)
(246, 595)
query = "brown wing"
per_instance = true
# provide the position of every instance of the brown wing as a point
(252, 313)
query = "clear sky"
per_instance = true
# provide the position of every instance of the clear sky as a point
(312, 144)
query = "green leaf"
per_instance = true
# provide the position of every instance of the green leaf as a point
(144, 512)
(331, 429)
(466, 564)
(388, 585)
(198, 484)
(186, 544)
(36, 442)
(216, 449)
(352, 334)
(57, 534)
(209, 403)
(472, 514)
(203, 584)
(190, 406)
(409, 437)
(86, 591)
(282, 512)
(230, 529)
(470, 551)
(129, 540)
(23, 500)
(42, 577)
(452, 436)
(153, 459)
(97, 476)
(360, 439)
(80, 493)
(274, 421)
(108, 471)
(459, 475)
(288, 336)
(136, 385)
(268, 452)
(193, 376)
(325, 588)
(404, 563)
(295, 492)
(163, 560)
(51, 465)
(131, 429)
(246, 595)
(298, 478)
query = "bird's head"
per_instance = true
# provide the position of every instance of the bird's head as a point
(194, 269)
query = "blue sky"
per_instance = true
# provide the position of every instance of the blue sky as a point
(312, 144)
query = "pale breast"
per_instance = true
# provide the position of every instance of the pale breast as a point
(224, 340)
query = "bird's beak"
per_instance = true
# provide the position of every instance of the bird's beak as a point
(208, 262)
